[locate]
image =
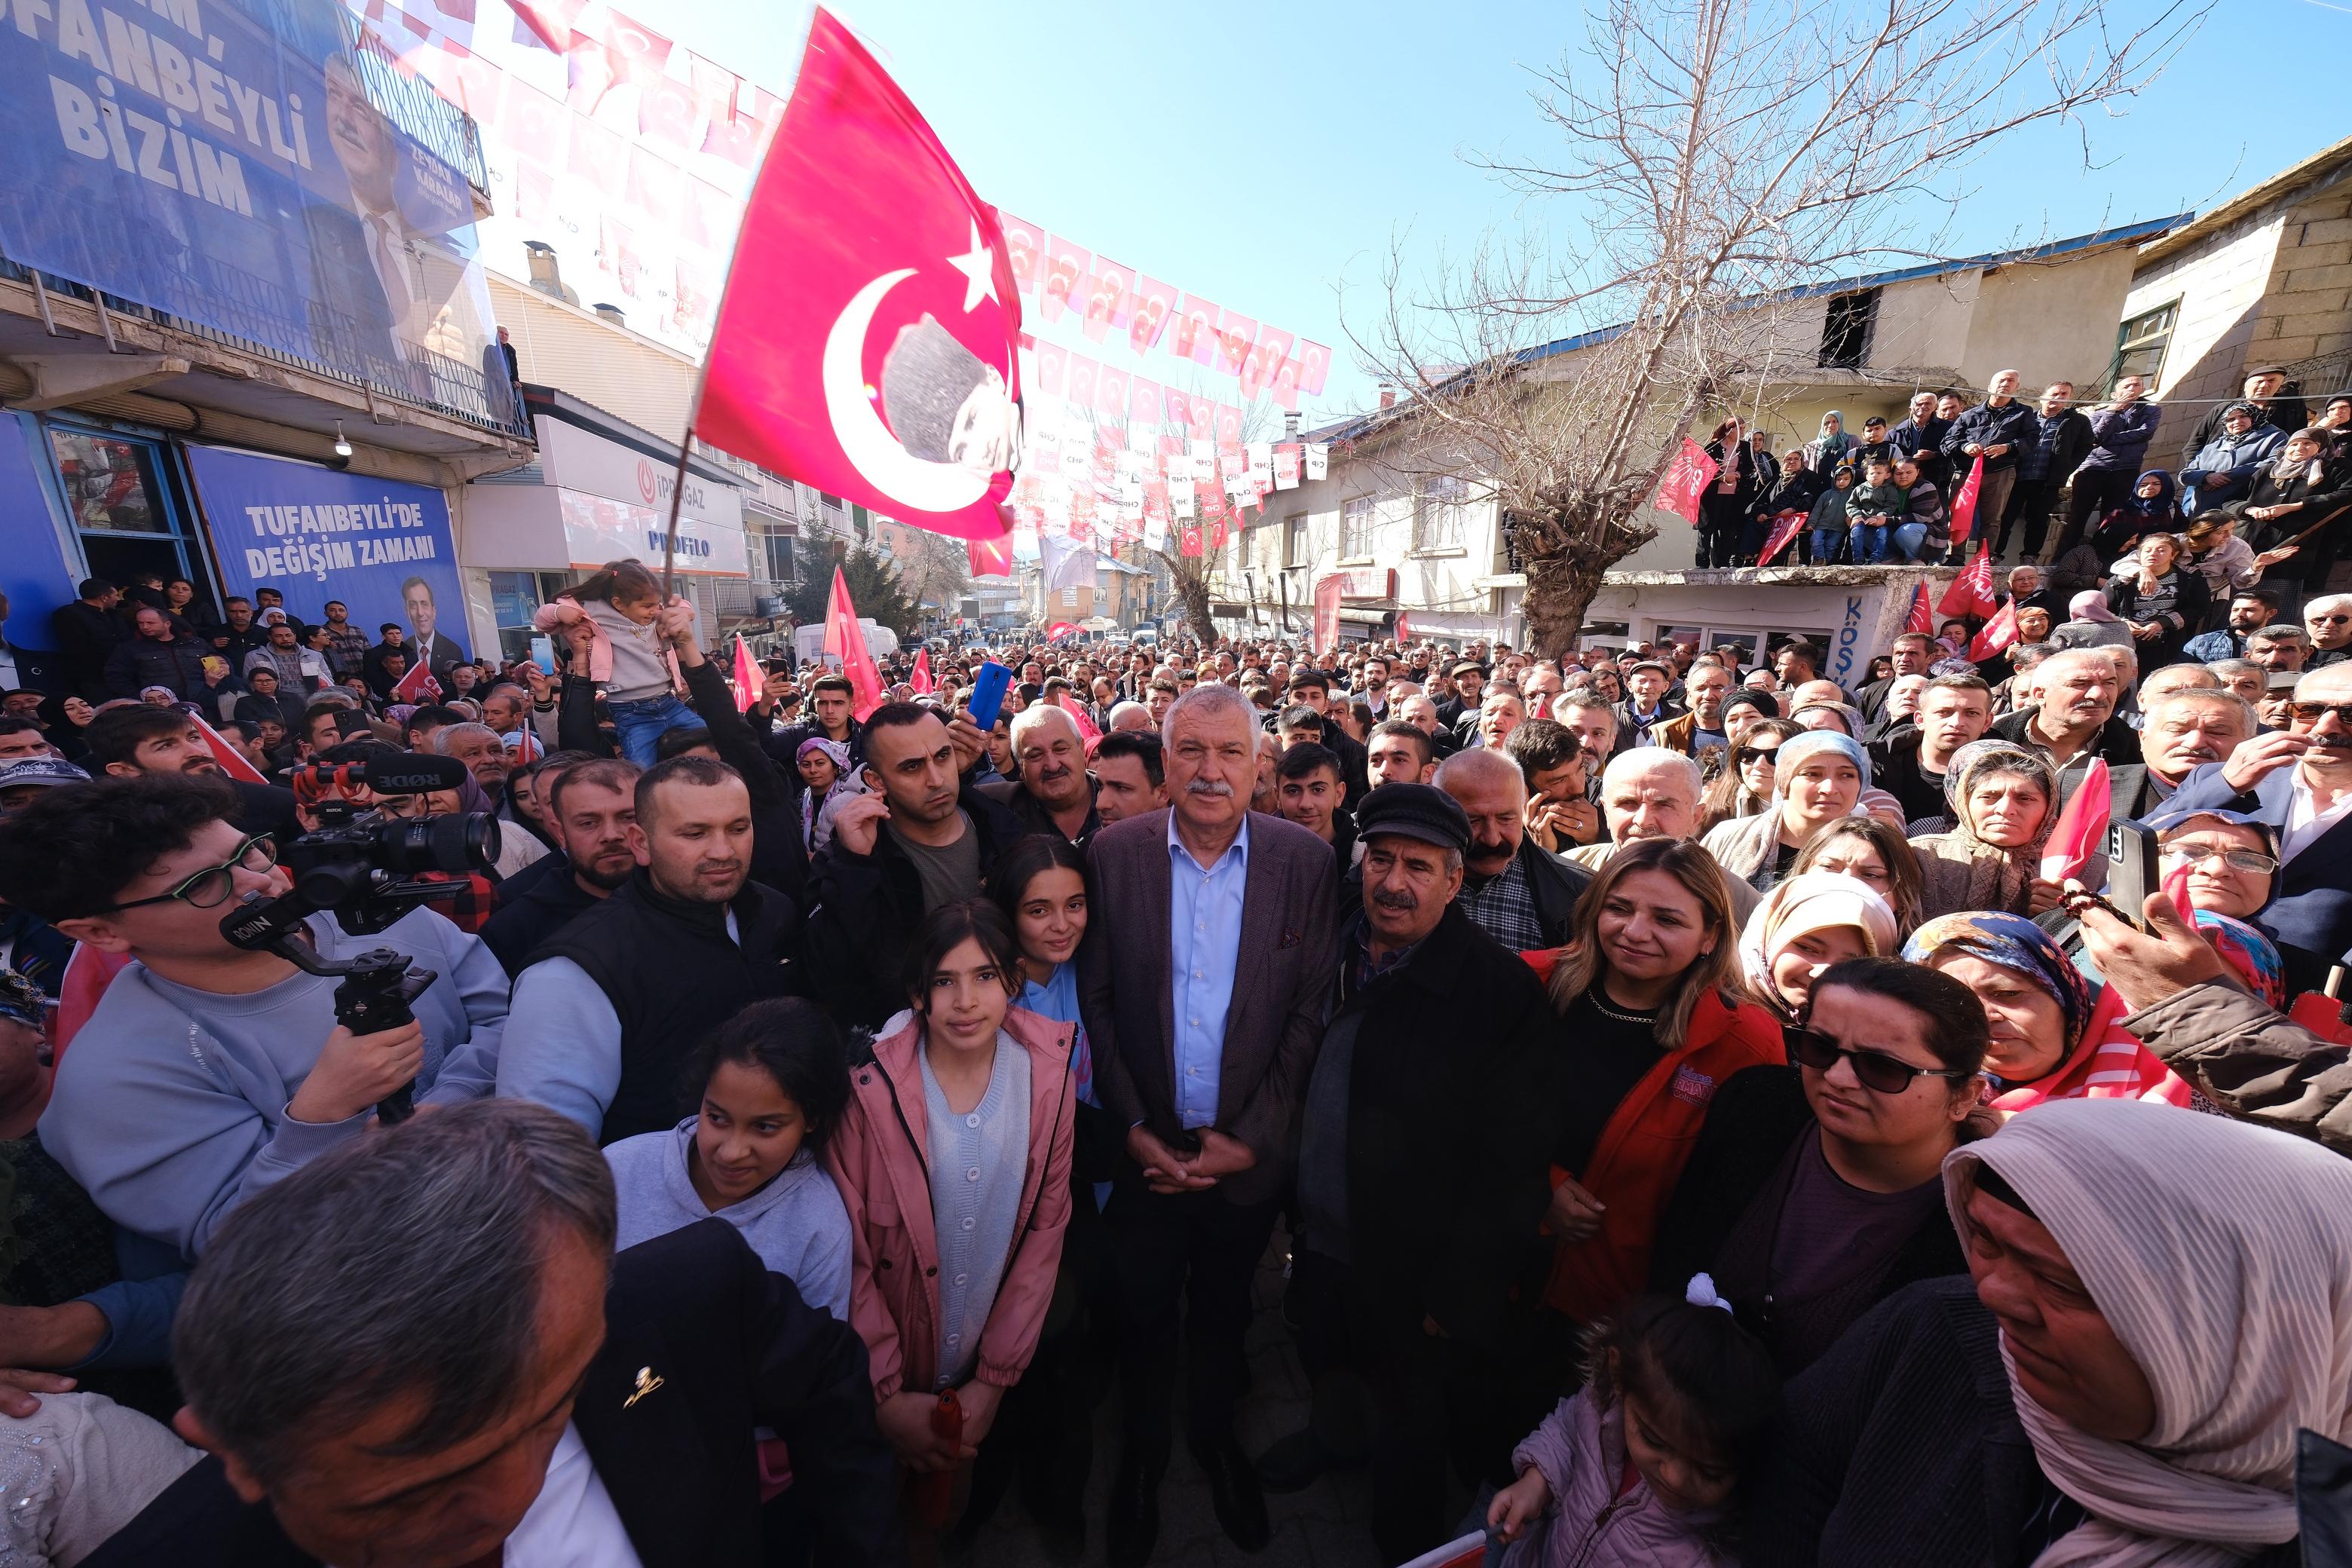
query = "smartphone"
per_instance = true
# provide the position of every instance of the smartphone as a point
(542, 653)
(2132, 873)
(988, 694)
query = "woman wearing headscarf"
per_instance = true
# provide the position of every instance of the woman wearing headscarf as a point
(1818, 778)
(2156, 1308)
(1826, 451)
(2152, 506)
(1801, 927)
(2004, 800)
(2056, 1034)
(2162, 604)
(2091, 623)
(1814, 1192)
(2295, 490)
(2225, 471)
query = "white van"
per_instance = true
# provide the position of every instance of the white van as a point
(808, 642)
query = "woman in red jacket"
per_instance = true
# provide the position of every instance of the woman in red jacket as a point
(954, 1163)
(1653, 1016)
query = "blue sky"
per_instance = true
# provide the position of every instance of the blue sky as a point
(1264, 156)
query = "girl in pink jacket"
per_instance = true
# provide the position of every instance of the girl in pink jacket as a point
(619, 609)
(954, 1162)
(1640, 1469)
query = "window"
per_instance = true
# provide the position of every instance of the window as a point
(1356, 528)
(1293, 540)
(1070, 598)
(781, 565)
(1437, 522)
(1846, 328)
(2140, 343)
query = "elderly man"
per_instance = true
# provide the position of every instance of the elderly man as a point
(1700, 730)
(2242, 675)
(1055, 794)
(2251, 609)
(1911, 654)
(1401, 753)
(1203, 982)
(1653, 792)
(1911, 764)
(1998, 430)
(2299, 781)
(2329, 621)
(1498, 715)
(2187, 729)
(580, 1417)
(2262, 387)
(2075, 718)
(2028, 589)
(1421, 1178)
(1561, 815)
(1522, 896)
(1130, 716)
(1647, 708)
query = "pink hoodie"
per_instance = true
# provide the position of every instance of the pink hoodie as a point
(1581, 1452)
(564, 611)
(878, 1161)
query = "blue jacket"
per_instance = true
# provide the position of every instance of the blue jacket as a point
(2240, 458)
(2120, 436)
(2313, 907)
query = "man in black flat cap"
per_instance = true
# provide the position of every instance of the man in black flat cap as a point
(1421, 1177)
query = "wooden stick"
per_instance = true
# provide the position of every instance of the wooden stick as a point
(676, 494)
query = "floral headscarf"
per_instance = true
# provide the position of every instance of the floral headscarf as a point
(2249, 953)
(2015, 943)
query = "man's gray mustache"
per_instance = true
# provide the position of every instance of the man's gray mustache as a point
(1209, 786)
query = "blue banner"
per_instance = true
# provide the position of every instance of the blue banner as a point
(247, 164)
(383, 547)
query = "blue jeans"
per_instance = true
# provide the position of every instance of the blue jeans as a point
(1825, 544)
(1869, 544)
(642, 722)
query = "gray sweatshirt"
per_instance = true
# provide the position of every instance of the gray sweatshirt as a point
(796, 1223)
(170, 1105)
(640, 657)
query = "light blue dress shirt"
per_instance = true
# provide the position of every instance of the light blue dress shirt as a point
(1204, 940)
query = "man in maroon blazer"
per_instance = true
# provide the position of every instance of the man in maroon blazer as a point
(1206, 965)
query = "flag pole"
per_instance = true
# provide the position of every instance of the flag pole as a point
(676, 494)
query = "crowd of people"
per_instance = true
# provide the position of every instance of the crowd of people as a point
(1696, 1119)
(2262, 481)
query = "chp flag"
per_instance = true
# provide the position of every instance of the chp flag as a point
(866, 341)
(1971, 592)
(1685, 478)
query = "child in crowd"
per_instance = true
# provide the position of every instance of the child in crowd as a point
(1875, 448)
(1828, 520)
(1680, 1402)
(775, 1081)
(626, 654)
(1875, 504)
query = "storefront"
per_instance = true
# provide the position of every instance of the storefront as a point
(601, 491)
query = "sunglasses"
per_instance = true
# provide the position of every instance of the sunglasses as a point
(1875, 1070)
(2313, 712)
(211, 887)
(1747, 754)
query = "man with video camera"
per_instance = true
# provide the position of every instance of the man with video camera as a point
(210, 1071)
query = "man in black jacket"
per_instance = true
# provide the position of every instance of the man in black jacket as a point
(1921, 437)
(436, 1316)
(157, 656)
(779, 853)
(1998, 430)
(2264, 385)
(923, 838)
(1523, 897)
(591, 805)
(1055, 793)
(2060, 439)
(86, 633)
(1421, 1179)
(1313, 688)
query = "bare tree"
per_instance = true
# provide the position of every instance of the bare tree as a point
(933, 568)
(1718, 155)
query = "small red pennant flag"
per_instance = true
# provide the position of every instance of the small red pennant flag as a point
(1971, 592)
(1922, 619)
(922, 677)
(234, 763)
(1964, 504)
(846, 640)
(1998, 634)
(2082, 826)
(747, 678)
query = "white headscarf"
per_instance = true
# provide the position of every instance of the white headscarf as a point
(2221, 1253)
(1744, 844)
(1811, 901)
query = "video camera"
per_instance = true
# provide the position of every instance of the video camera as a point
(358, 864)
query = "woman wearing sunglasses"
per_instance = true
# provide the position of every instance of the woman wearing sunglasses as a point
(1746, 782)
(1653, 1016)
(2056, 1034)
(1813, 1191)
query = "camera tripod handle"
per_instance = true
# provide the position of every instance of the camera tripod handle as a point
(377, 994)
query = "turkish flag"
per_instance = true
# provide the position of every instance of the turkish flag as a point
(1023, 245)
(550, 20)
(234, 763)
(747, 678)
(845, 639)
(920, 681)
(1998, 634)
(666, 109)
(1196, 330)
(1314, 366)
(1971, 592)
(638, 52)
(1964, 504)
(1685, 479)
(2081, 829)
(990, 557)
(1153, 303)
(656, 187)
(735, 139)
(1921, 618)
(1235, 334)
(867, 342)
(1404, 632)
(1189, 540)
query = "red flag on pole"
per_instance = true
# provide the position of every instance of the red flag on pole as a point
(865, 342)
(844, 638)
(1922, 619)
(990, 557)
(234, 763)
(1785, 527)
(1327, 614)
(1998, 634)
(1404, 632)
(1964, 504)
(1971, 592)
(1685, 478)
(747, 676)
(418, 685)
(922, 677)
(2081, 830)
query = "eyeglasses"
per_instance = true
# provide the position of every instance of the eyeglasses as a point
(2326, 620)
(2313, 712)
(2249, 860)
(1747, 754)
(211, 887)
(1875, 1070)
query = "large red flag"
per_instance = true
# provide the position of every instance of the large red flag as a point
(1785, 526)
(419, 685)
(2082, 826)
(1684, 480)
(990, 557)
(1964, 504)
(1971, 592)
(844, 638)
(865, 344)
(747, 676)
(1998, 634)
(1921, 619)
(920, 679)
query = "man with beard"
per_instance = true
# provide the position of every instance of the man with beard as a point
(127, 742)
(1522, 896)
(1402, 752)
(1911, 654)
(2251, 609)
(591, 806)
(609, 1009)
(1055, 794)
(1421, 1177)
(1700, 730)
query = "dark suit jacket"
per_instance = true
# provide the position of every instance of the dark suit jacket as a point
(86, 636)
(735, 1347)
(1288, 953)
